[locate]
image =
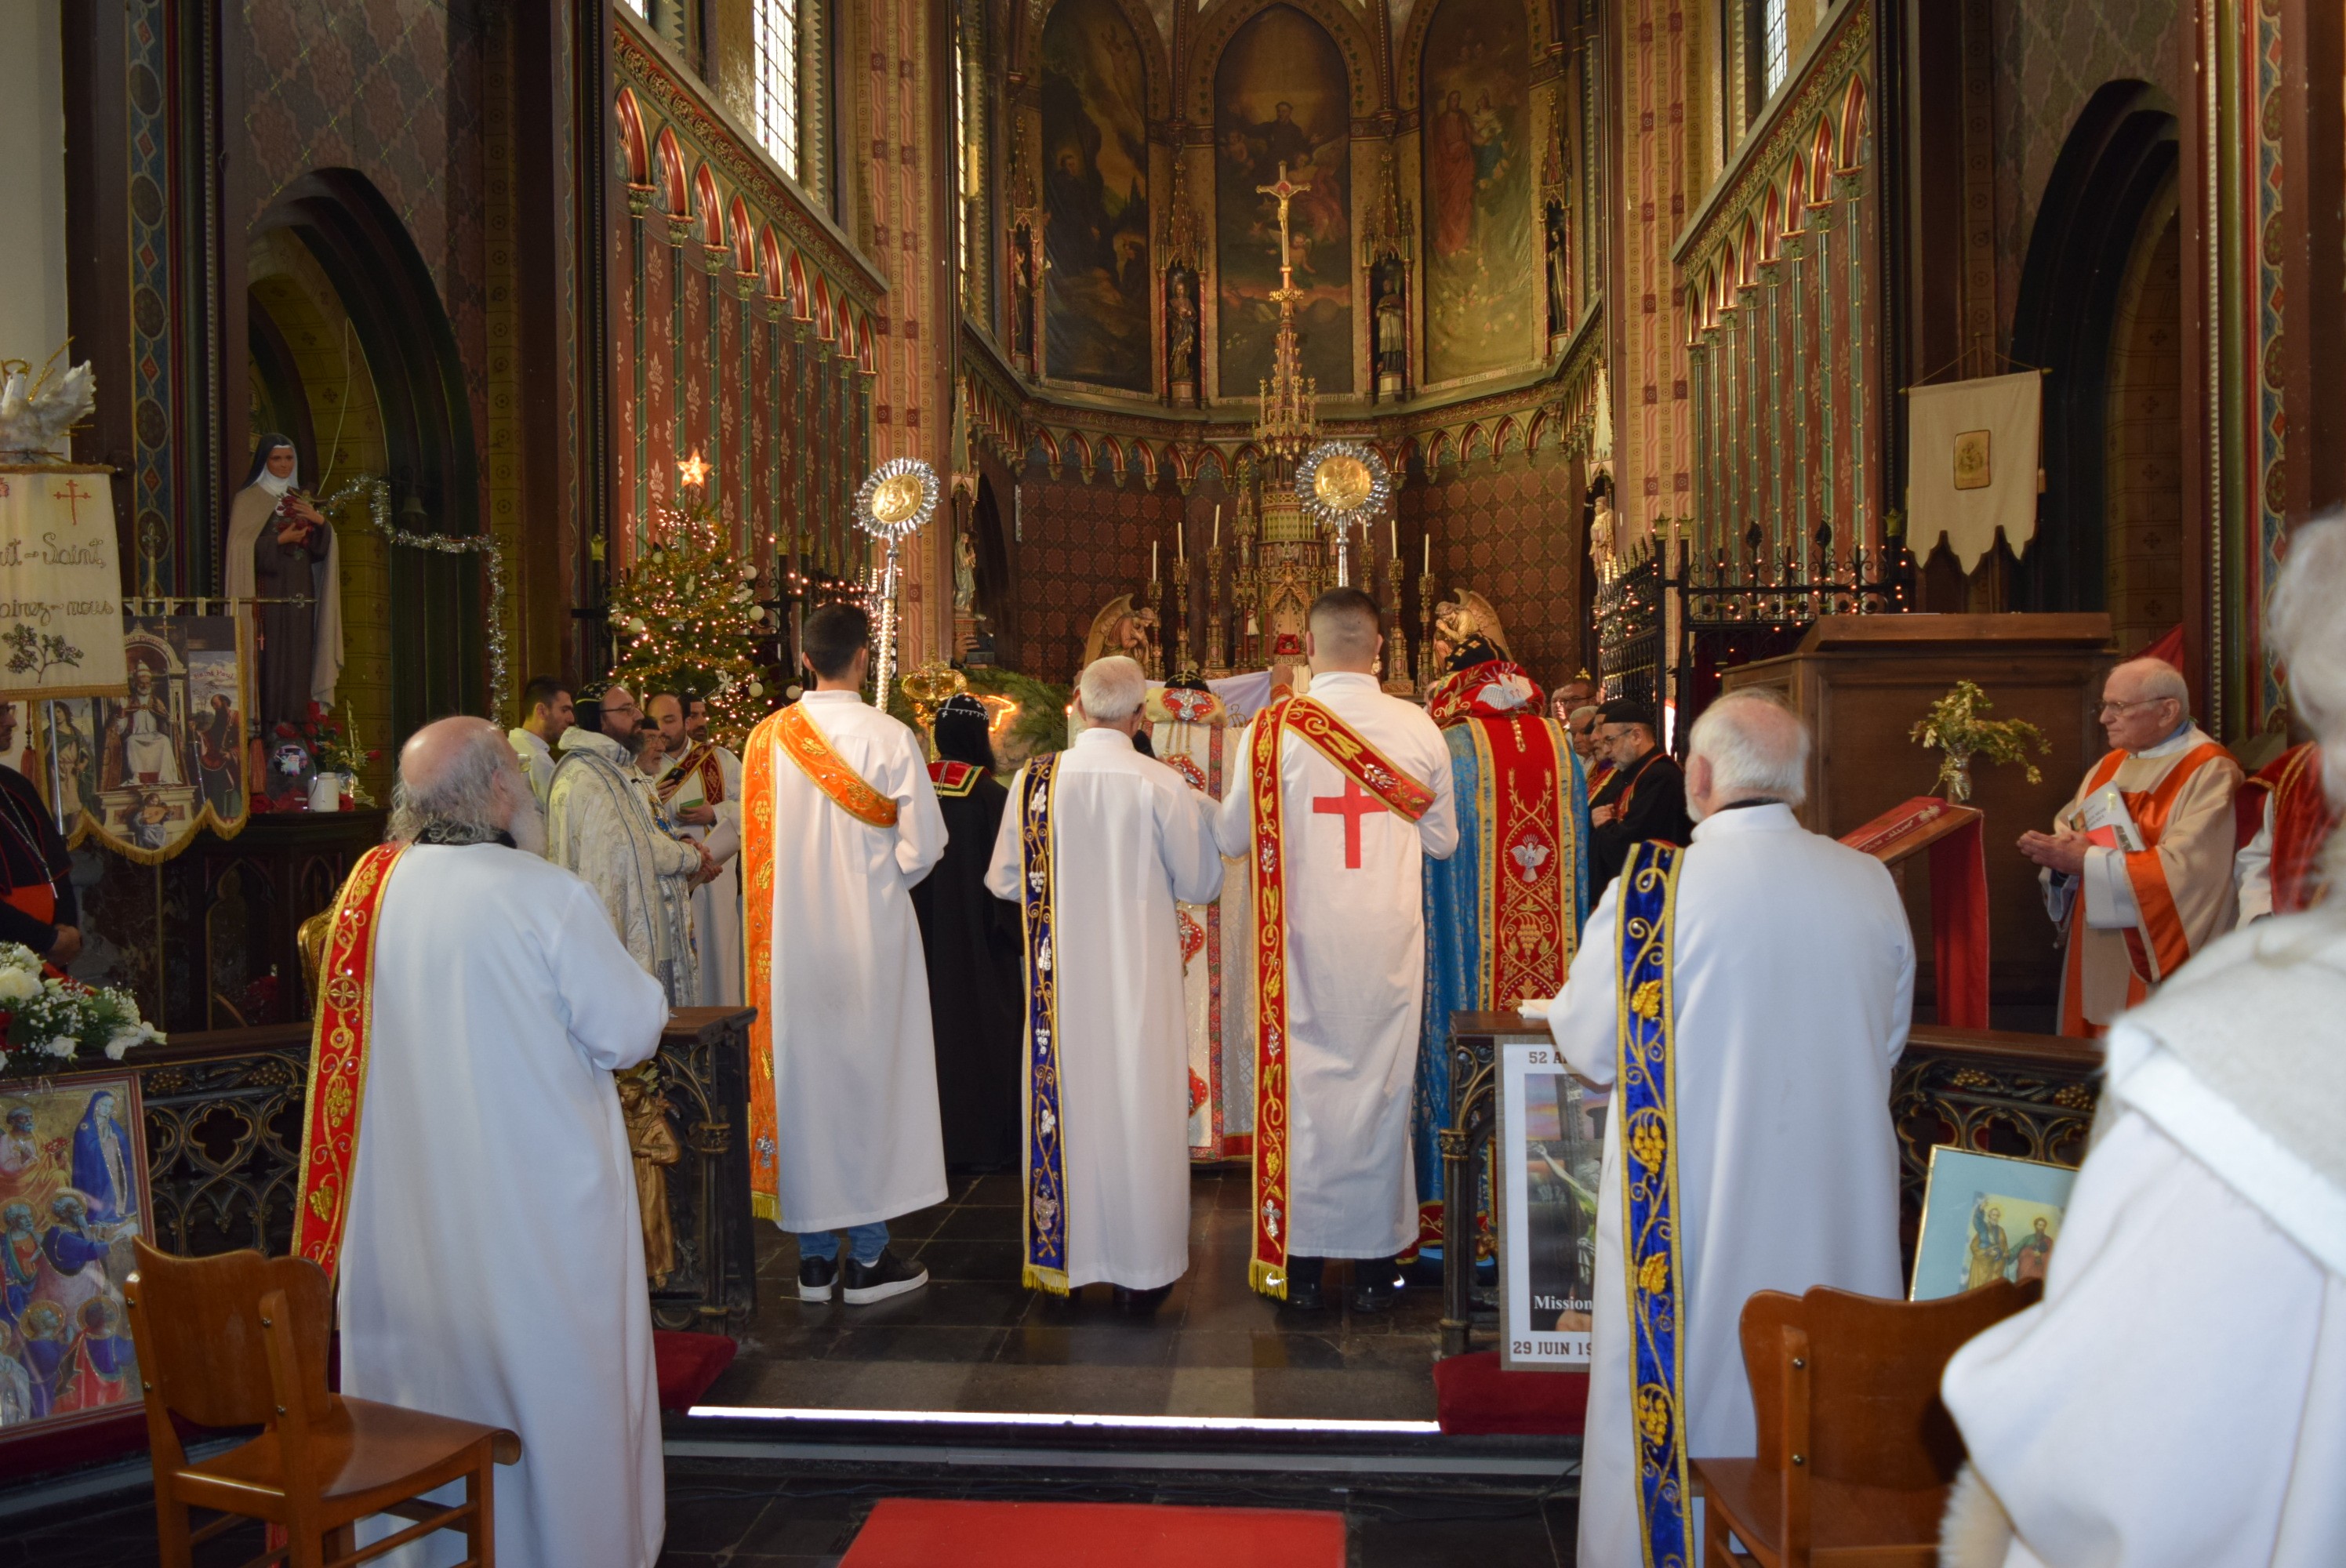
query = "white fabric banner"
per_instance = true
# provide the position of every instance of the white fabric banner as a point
(60, 591)
(1972, 450)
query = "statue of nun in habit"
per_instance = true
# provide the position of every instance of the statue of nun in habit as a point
(279, 546)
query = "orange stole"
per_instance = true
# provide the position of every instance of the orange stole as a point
(758, 950)
(338, 1040)
(1351, 753)
(2302, 822)
(2169, 945)
(806, 745)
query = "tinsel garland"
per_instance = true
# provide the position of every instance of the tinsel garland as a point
(378, 520)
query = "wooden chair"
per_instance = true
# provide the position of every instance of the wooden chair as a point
(1856, 1453)
(241, 1340)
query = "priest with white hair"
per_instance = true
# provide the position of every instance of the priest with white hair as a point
(2138, 870)
(1768, 976)
(474, 1193)
(1097, 845)
(2178, 1400)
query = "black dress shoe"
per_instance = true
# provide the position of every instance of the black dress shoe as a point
(885, 1275)
(1376, 1285)
(816, 1277)
(1141, 1303)
(1306, 1296)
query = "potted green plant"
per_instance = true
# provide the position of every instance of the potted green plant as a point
(1954, 727)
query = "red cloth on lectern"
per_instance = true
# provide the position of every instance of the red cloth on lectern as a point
(1958, 894)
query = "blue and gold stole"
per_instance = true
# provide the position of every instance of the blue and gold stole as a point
(1046, 1177)
(1646, 1084)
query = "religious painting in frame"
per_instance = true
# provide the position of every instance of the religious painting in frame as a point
(1986, 1217)
(1096, 234)
(1281, 97)
(74, 1192)
(1483, 299)
(144, 772)
(1551, 1148)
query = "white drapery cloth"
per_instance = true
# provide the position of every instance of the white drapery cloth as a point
(2179, 1398)
(1793, 974)
(603, 823)
(1127, 839)
(1356, 968)
(1973, 455)
(855, 1067)
(715, 903)
(493, 1266)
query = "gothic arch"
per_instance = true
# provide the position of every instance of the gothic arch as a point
(675, 197)
(633, 144)
(1223, 18)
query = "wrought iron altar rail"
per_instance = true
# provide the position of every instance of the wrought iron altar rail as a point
(2031, 1096)
(224, 1111)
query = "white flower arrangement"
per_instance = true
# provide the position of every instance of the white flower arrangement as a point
(50, 1021)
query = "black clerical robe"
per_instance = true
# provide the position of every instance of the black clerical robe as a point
(1651, 796)
(34, 859)
(970, 941)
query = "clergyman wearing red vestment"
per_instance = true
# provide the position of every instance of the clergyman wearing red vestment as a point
(2279, 871)
(2134, 915)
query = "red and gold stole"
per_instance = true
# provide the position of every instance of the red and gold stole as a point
(701, 758)
(2302, 820)
(338, 1040)
(758, 948)
(2157, 945)
(1531, 886)
(805, 744)
(952, 779)
(1350, 751)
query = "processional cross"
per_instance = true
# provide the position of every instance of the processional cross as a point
(1353, 805)
(1286, 190)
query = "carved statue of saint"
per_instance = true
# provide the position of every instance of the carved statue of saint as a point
(280, 548)
(1559, 274)
(965, 575)
(1181, 331)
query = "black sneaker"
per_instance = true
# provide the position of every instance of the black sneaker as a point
(816, 1276)
(885, 1275)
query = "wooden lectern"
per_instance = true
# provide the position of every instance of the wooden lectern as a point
(1862, 681)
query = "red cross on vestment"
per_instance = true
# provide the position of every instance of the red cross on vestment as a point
(1353, 805)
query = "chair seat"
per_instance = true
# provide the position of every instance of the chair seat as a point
(1849, 1524)
(363, 1448)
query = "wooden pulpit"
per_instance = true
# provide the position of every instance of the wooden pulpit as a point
(1862, 681)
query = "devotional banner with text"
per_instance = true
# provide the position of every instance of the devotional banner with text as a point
(60, 590)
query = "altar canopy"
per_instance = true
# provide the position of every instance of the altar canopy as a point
(1191, 731)
(1503, 915)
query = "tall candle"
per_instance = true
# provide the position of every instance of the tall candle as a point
(1217, 524)
(1429, 553)
(1181, 543)
(1152, 560)
(1393, 538)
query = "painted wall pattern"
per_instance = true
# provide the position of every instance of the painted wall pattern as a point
(1513, 533)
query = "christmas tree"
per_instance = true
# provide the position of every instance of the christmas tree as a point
(686, 618)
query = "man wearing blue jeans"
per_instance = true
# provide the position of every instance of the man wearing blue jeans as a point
(866, 1245)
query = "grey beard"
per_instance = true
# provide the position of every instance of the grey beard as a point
(527, 828)
(419, 829)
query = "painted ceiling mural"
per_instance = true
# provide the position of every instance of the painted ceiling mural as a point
(1281, 98)
(1096, 234)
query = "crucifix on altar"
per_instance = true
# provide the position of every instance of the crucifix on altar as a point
(1286, 190)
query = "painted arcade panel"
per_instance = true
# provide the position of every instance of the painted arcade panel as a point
(1095, 230)
(1482, 260)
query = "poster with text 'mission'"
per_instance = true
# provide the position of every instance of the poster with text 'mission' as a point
(1551, 1148)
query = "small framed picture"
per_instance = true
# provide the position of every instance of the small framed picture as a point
(1986, 1217)
(1551, 1147)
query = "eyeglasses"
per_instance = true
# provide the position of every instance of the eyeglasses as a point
(2106, 708)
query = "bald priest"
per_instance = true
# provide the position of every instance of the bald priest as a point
(2138, 870)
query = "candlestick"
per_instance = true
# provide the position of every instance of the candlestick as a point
(1181, 543)
(1216, 664)
(1397, 655)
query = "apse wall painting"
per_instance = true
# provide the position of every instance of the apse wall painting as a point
(1482, 287)
(1096, 292)
(1280, 95)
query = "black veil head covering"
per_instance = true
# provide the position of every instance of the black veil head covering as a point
(260, 451)
(1476, 649)
(964, 731)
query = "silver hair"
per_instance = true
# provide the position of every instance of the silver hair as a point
(1757, 748)
(463, 792)
(2160, 679)
(1588, 708)
(2309, 633)
(1112, 688)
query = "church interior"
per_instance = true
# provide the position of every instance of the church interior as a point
(1928, 370)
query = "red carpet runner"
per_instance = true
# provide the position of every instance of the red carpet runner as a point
(904, 1532)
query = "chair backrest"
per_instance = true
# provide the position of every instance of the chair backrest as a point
(1874, 1415)
(197, 1323)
